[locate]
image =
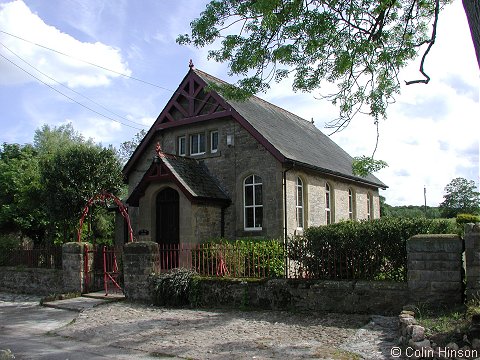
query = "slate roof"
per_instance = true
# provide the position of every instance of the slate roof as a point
(194, 177)
(191, 176)
(297, 139)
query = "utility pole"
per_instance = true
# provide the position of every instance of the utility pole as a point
(425, 198)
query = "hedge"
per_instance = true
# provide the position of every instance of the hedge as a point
(467, 218)
(367, 250)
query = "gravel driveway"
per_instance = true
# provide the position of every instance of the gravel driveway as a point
(227, 334)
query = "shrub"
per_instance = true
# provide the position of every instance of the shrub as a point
(360, 250)
(171, 288)
(467, 218)
(247, 257)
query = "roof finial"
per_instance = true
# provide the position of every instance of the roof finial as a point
(190, 64)
(313, 122)
(158, 149)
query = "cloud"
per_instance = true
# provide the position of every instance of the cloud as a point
(402, 173)
(17, 19)
(443, 145)
(429, 107)
(462, 87)
(91, 17)
(99, 129)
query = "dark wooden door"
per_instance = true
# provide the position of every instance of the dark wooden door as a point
(168, 217)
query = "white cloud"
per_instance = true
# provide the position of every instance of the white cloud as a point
(17, 19)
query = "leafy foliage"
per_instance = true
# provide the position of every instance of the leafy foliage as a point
(370, 250)
(461, 196)
(72, 176)
(365, 165)
(21, 192)
(467, 218)
(46, 185)
(8, 242)
(359, 46)
(127, 148)
(47, 141)
(171, 288)
(246, 257)
(408, 211)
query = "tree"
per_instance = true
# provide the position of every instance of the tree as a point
(47, 141)
(461, 196)
(359, 46)
(128, 147)
(21, 192)
(72, 176)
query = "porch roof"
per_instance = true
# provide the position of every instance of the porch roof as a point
(190, 175)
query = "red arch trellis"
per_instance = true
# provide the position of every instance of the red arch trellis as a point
(103, 197)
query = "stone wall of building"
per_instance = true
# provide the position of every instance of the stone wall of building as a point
(435, 269)
(230, 165)
(206, 222)
(314, 200)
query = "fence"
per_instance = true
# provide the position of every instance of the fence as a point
(234, 260)
(299, 260)
(47, 257)
(244, 260)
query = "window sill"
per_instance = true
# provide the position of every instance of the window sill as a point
(206, 155)
(253, 229)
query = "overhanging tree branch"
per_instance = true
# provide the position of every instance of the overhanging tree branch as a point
(430, 44)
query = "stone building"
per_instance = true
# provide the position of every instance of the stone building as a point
(211, 167)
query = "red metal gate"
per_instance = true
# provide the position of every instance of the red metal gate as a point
(102, 271)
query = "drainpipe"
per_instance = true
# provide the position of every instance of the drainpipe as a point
(285, 227)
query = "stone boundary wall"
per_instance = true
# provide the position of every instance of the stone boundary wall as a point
(48, 281)
(472, 260)
(369, 297)
(31, 281)
(435, 269)
(435, 276)
(140, 260)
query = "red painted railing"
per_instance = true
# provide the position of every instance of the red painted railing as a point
(215, 260)
(101, 269)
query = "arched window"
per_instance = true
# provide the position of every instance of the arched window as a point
(299, 204)
(253, 203)
(328, 204)
(351, 204)
(369, 206)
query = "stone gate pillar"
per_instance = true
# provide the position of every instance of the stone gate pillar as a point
(140, 259)
(435, 271)
(73, 266)
(472, 260)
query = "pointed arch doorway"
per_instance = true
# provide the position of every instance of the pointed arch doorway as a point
(167, 219)
(167, 227)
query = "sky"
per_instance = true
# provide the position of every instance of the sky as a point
(431, 134)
